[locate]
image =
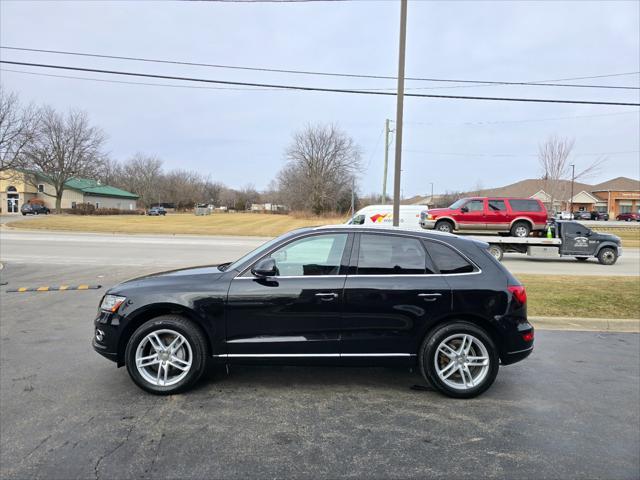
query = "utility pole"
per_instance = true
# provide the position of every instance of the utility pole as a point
(387, 143)
(399, 112)
(431, 193)
(573, 176)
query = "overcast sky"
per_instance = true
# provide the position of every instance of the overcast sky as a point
(239, 136)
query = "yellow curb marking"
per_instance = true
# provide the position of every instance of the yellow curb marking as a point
(63, 287)
(42, 289)
(22, 289)
(83, 287)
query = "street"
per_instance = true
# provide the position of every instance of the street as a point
(165, 251)
(570, 410)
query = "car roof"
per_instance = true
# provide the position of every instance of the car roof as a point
(386, 228)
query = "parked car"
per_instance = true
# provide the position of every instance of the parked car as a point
(563, 216)
(596, 215)
(34, 209)
(157, 211)
(518, 216)
(333, 295)
(629, 217)
(581, 215)
(382, 215)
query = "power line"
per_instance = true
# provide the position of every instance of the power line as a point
(145, 84)
(540, 83)
(460, 154)
(527, 120)
(257, 89)
(319, 89)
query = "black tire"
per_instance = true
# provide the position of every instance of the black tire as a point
(496, 252)
(193, 336)
(607, 256)
(444, 226)
(427, 358)
(520, 229)
(582, 259)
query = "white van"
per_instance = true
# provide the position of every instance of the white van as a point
(382, 215)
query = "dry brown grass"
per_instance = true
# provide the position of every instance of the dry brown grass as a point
(263, 225)
(582, 296)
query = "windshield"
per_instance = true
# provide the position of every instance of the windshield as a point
(458, 203)
(265, 246)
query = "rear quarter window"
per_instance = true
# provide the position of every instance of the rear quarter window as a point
(446, 259)
(525, 206)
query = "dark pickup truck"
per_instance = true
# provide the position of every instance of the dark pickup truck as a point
(568, 239)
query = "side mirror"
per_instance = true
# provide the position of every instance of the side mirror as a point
(265, 268)
(464, 209)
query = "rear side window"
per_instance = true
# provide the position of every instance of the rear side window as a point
(525, 206)
(446, 259)
(391, 255)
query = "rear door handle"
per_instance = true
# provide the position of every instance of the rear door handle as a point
(327, 296)
(429, 297)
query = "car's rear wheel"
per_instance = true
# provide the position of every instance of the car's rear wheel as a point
(459, 359)
(166, 355)
(444, 226)
(607, 256)
(520, 229)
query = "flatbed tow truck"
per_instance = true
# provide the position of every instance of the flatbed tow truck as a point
(567, 239)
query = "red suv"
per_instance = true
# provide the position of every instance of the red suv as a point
(518, 216)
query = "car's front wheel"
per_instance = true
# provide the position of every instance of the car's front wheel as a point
(607, 256)
(166, 355)
(444, 226)
(459, 359)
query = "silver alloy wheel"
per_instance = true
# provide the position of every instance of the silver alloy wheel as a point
(164, 357)
(521, 231)
(462, 361)
(444, 227)
(496, 252)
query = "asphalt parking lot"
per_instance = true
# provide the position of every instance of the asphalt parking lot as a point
(570, 410)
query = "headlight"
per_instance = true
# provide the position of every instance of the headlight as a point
(429, 217)
(111, 303)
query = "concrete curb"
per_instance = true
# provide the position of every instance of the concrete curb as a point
(626, 325)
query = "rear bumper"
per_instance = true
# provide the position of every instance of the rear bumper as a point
(515, 356)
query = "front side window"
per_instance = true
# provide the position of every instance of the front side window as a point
(447, 260)
(357, 220)
(475, 205)
(317, 255)
(40, 187)
(390, 255)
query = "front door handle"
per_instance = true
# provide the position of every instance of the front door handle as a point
(327, 297)
(429, 297)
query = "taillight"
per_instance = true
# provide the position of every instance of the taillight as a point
(519, 293)
(528, 337)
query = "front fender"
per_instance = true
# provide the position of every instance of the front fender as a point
(606, 244)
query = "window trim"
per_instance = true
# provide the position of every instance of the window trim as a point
(476, 268)
(344, 262)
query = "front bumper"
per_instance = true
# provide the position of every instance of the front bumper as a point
(429, 224)
(106, 336)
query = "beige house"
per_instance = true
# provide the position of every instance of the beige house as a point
(15, 191)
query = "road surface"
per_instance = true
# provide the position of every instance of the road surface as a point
(164, 251)
(571, 410)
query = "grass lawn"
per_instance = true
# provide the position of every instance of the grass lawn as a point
(263, 225)
(582, 296)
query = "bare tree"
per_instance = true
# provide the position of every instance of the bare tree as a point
(322, 163)
(553, 156)
(142, 175)
(64, 147)
(17, 129)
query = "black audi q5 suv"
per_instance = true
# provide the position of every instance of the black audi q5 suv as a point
(334, 295)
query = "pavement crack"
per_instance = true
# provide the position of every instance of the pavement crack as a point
(37, 446)
(96, 467)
